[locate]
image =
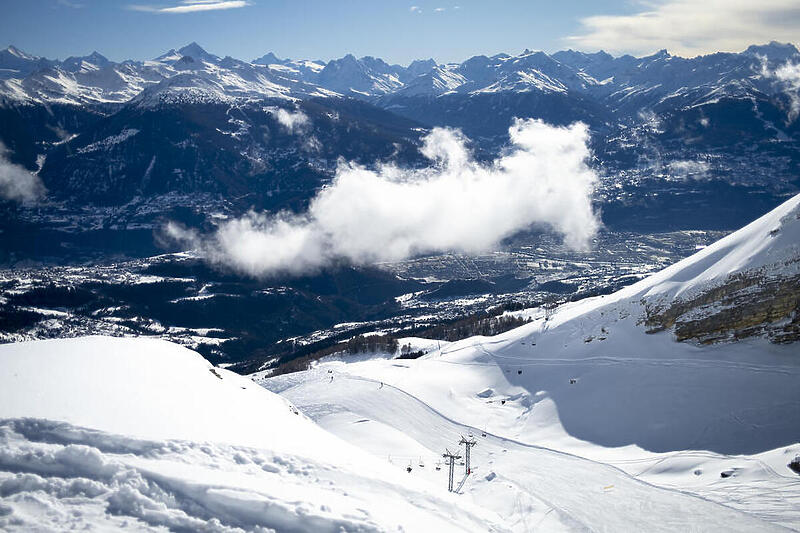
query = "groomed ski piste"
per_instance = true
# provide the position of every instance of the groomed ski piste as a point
(635, 432)
(580, 415)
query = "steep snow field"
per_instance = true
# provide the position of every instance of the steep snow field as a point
(716, 421)
(106, 433)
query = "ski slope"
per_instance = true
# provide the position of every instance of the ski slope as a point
(585, 413)
(529, 486)
(144, 435)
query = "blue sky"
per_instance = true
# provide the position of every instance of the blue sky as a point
(396, 30)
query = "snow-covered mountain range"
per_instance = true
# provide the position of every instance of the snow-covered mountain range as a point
(621, 82)
(189, 73)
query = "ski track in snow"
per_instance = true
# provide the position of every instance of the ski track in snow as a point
(565, 484)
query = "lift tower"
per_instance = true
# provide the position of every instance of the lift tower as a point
(451, 458)
(468, 443)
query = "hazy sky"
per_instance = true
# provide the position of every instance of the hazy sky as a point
(396, 30)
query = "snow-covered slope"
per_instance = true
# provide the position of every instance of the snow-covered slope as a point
(108, 433)
(763, 254)
(440, 80)
(14, 63)
(367, 76)
(591, 378)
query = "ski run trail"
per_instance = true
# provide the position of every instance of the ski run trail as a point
(591, 423)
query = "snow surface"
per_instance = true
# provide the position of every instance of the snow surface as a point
(533, 487)
(584, 413)
(141, 434)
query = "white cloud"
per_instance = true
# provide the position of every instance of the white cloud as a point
(690, 28)
(294, 122)
(191, 6)
(391, 213)
(415, 9)
(789, 76)
(16, 183)
(439, 10)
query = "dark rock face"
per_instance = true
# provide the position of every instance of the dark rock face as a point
(490, 115)
(747, 304)
(29, 130)
(222, 149)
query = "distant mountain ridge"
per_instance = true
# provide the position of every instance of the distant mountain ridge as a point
(620, 82)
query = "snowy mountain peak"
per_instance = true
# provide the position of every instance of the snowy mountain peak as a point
(348, 58)
(661, 54)
(267, 59)
(774, 51)
(368, 76)
(96, 56)
(169, 55)
(378, 64)
(623, 83)
(16, 52)
(14, 63)
(422, 64)
(93, 61)
(192, 50)
(195, 51)
(533, 53)
(566, 56)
